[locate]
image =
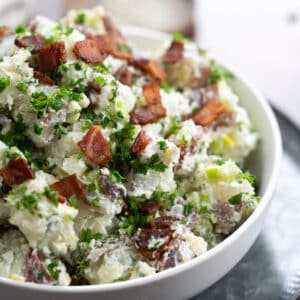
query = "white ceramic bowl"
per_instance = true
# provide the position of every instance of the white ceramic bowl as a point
(191, 278)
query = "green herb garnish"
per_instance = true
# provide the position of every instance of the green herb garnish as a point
(153, 163)
(53, 269)
(236, 199)
(4, 82)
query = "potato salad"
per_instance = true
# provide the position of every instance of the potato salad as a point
(115, 163)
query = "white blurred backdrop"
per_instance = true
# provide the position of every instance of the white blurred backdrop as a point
(259, 38)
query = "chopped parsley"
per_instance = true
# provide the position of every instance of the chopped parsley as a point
(20, 29)
(180, 37)
(166, 199)
(126, 133)
(4, 82)
(51, 195)
(73, 201)
(247, 176)
(101, 68)
(175, 126)
(100, 81)
(40, 103)
(129, 224)
(236, 199)
(53, 269)
(162, 145)
(61, 129)
(22, 87)
(219, 161)
(86, 235)
(218, 73)
(37, 130)
(124, 48)
(114, 91)
(188, 208)
(80, 18)
(107, 117)
(153, 163)
(117, 177)
(164, 85)
(23, 200)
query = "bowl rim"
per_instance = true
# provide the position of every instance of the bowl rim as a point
(265, 199)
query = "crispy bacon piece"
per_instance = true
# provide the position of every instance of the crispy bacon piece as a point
(35, 42)
(68, 186)
(106, 45)
(151, 92)
(121, 55)
(174, 53)
(140, 143)
(3, 32)
(147, 114)
(16, 172)
(126, 78)
(208, 113)
(142, 241)
(113, 31)
(51, 56)
(95, 146)
(43, 78)
(87, 50)
(162, 222)
(148, 207)
(152, 67)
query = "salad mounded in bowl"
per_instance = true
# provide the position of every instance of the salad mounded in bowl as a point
(115, 164)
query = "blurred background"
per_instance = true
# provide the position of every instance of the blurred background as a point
(258, 38)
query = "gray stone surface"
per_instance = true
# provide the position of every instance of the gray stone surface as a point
(271, 268)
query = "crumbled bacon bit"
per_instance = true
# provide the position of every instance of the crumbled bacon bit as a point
(16, 172)
(174, 53)
(147, 114)
(87, 50)
(126, 78)
(143, 238)
(35, 42)
(208, 113)
(68, 186)
(148, 207)
(104, 43)
(151, 92)
(3, 32)
(140, 143)
(162, 222)
(152, 67)
(121, 55)
(51, 56)
(113, 31)
(95, 146)
(43, 78)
